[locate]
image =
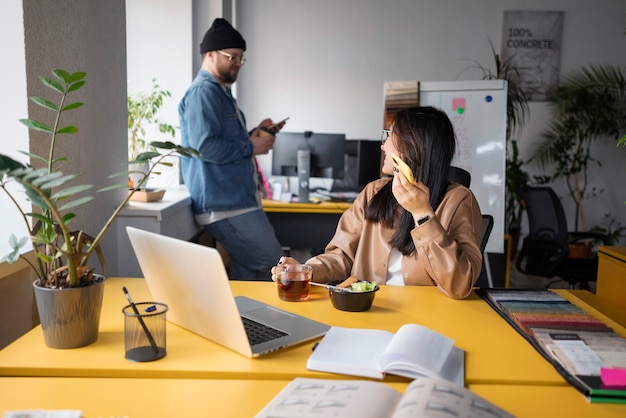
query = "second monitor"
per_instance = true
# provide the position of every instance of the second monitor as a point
(308, 154)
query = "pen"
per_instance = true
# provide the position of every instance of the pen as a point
(143, 324)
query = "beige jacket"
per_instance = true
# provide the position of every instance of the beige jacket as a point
(448, 253)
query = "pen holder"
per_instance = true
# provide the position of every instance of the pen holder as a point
(144, 331)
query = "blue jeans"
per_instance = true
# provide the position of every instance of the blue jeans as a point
(251, 243)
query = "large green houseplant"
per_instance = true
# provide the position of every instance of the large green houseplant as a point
(590, 104)
(63, 255)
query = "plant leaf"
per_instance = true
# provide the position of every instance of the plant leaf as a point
(37, 126)
(53, 84)
(40, 217)
(64, 193)
(9, 164)
(113, 187)
(146, 156)
(76, 85)
(34, 156)
(44, 258)
(77, 202)
(43, 103)
(50, 181)
(71, 129)
(71, 106)
(68, 217)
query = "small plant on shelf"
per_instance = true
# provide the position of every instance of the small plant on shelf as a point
(142, 113)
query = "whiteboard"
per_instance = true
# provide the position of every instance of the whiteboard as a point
(477, 110)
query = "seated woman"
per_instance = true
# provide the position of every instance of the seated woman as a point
(399, 233)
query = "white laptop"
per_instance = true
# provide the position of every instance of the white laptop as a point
(191, 279)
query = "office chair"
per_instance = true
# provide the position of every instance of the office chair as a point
(463, 177)
(459, 175)
(484, 238)
(486, 231)
(545, 250)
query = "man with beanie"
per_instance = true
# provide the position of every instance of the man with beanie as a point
(224, 181)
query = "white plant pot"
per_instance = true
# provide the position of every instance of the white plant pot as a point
(137, 171)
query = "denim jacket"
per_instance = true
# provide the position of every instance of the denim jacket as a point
(223, 178)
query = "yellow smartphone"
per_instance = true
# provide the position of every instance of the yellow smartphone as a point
(403, 167)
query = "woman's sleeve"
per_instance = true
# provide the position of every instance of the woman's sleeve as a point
(448, 245)
(338, 257)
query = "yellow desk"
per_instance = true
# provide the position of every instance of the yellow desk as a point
(546, 401)
(166, 398)
(315, 222)
(613, 310)
(138, 398)
(611, 284)
(276, 206)
(495, 353)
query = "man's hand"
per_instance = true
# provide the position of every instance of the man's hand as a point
(262, 142)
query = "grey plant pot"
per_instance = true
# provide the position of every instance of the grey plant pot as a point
(70, 318)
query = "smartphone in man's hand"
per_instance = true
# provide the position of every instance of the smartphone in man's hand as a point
(272, 128)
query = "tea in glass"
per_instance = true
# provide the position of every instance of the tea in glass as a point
(294, 282)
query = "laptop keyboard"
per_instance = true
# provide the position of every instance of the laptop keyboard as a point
(259, 333)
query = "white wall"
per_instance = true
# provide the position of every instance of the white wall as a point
(15, 135)
(324, 63)
(159, 45)
(84, 36)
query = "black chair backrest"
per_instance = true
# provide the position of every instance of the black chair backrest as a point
(486, 231)
(459, 175)
(546, 217)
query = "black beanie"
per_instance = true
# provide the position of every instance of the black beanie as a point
(221, 35)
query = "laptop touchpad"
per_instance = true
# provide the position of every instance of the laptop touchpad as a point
(267, 314)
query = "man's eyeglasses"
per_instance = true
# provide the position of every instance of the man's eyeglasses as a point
(232, 57)
(385, 136)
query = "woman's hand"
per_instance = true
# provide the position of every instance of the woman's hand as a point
(415, 198)
(277, 269)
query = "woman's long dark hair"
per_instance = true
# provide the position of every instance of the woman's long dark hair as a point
(426, 142)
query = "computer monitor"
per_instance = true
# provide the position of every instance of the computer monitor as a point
(363, 164)
(325, 150)
(308, 154)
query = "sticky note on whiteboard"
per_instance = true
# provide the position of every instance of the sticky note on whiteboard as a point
(458, 105)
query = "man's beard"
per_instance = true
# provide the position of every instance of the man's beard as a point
(227, 76)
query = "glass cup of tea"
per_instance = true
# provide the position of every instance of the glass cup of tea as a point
(294, 282)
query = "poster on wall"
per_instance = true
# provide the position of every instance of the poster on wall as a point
(532, 41)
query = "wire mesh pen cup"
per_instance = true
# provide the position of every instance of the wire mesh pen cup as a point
(144, 331)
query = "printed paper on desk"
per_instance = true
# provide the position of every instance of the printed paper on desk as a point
(412, 352)
(424, 397)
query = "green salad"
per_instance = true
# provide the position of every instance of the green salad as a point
(363, 286)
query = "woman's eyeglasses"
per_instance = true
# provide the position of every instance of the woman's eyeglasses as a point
(385, 136)
(232, 57)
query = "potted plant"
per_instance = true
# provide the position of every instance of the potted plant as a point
(516, 114)
(67, 291)
(590, 104)
(142, 113)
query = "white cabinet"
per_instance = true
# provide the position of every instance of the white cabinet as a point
(171, 216)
